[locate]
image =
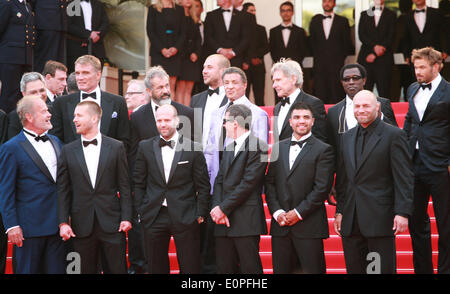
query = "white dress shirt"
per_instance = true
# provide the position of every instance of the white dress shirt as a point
(167, 158)
(286, 33)
(284, 110)
(420, 19)
(227, 17)
(212, 103)
(87, 14)
(294, 151)
(423, 97)
(92, 157)
(327, 22)
(377, 15)
(349, 114)
(98, 94)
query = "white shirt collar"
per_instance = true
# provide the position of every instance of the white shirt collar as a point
(241, 100)
(240, 140)
(294, 95)
(348, 100)
(98, 137)
(286, 25)
(435, 82)
(34, 133)
(97, 93)
(302, 138)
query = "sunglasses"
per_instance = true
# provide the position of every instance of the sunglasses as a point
(354, 78)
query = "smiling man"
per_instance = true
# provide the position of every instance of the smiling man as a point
(114, 122)
(375, 190)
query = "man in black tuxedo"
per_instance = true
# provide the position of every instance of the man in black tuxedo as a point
(86, 37)
(288, 40)
(227, 32)
(330, 44)
(91, 172)
(114, 122)
(374, 194)
(297, 184)
(17, 39)
(172, 194)
(51, 25)
(206, 102)
(254, 65)
(376, 31)
(287, 77)
(237, 204)
(427, 125)
(424, 26)
(340, 116)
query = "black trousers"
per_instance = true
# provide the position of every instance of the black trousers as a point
(357, 249)
(207, 247)
(256, 79)
(327, 85)
(187, 243)
(10, 75)
(113, 246)
(136, 255)
(379, 74)
(310, 254)
(438, 186)
(238, 255)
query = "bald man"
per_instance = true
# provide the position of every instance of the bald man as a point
(374, 195)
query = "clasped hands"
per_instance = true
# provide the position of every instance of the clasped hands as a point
(167, 53)
(289, 218)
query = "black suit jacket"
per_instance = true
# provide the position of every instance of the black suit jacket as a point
(297, 47)
(77, 34)
(78, 201)
(258, 48)
(380, 186)
(330, 53)
(51, 15)
(371, 35)
(237, 37)
(337, 121)
(238, 187)
(3, 127)
(114, 122)
(431, 35)
(304, 187)
(433, 131)
(187, 190)
(320, 128)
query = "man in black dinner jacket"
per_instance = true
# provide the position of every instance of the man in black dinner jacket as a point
(427, 125)
(172, 194)
(94, 199)
(297, 184)
(375, 193)
(114, 122)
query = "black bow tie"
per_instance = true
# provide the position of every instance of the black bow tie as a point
(211, 91)
(226, 10)
(93, 95)
(87, 143)
(43, 138)
(377, 8)
(284, 101)
(424, 86)
(419, 10)
(299, 143)
(163, 143)
(326, 16)
(287, 28)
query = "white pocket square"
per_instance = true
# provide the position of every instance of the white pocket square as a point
(183, 162)
(114, 115)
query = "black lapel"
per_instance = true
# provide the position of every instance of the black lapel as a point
(176, 157)
(70, 107)
(158, 158)
(306, 148)
(107, 112)
(438, 93)
(370, 144)
(351, 147)
(55, 146)
(29, 149)
(284, 154)
(78, 151)
(412, 106)
(342, 127)
(105, 150)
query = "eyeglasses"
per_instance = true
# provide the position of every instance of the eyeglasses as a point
(354, 78)
(132, 93)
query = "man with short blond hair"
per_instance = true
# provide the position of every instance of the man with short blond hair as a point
(427, 125)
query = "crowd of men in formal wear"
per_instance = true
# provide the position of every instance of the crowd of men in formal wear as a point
(81, 169)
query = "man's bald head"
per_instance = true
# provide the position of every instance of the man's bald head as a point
(366, 107)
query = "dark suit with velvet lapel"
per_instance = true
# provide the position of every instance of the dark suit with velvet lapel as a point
(371, 191)
(431, 162)
(304, 187)
(237, 191)
(187, 193)
(29, 200)
(95, 211)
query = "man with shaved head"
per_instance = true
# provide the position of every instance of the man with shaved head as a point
(374, 195)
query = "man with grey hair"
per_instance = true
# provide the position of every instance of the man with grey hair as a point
(72, 86)
(135, 95)
(287, 77)
(31, 84)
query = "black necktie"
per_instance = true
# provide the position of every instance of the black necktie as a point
(419, 10)
(287, 28)
(326, 16)
(299, 143)
(424, 86)
(43, 138)
(93, 95)
(163, 143)
(87, 143)
(377, 8)
(211, 91)
(284, 101)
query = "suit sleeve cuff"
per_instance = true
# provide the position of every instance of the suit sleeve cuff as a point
(298, 214)
(277, 213)
(11, 229)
